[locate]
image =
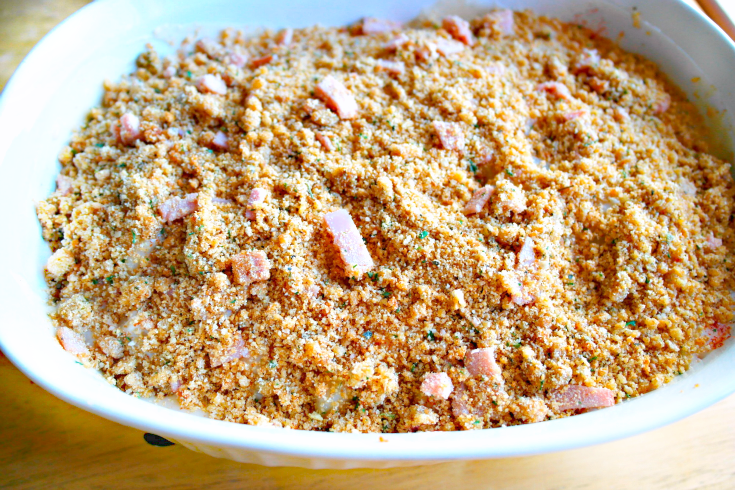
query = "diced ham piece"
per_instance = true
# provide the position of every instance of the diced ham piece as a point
(255, 200)
(478, 200)
(450, 135)
(263, 60)
(426, 52)
(392, 67)
(527, 256)
(221, 201)
(662, 105)
(72, 342)
(481, 362)
(448, 47)
(237, 351)
(249, 267)
(396, 42)
(60, 263)
(176, 207)
(127, 129)
(325, 141)
(63, 185)
(571, 116)
(349, 242)
(587, 61)
(438, 385)
(557, 89)
(212, 84)
(712, 242)
(220, 141)
(336, 96)
(459, 29)
(502, 20)
(371, 25)
(573, 397)
(169, 72)
(716, 334)
(237, 60)
(688, 188)
(285, 37)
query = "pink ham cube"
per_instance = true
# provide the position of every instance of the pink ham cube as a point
(349, 243)
(396, 42)
(558, 90)
(448, 47)
(212, 84)
(481, 362)
(371, 25)
(571, 116)
(478, 200)
(392, 67)
(251, 266)
(220, 141)
(573, 397)
(238, 60)
(459, 29)
(527, 256)
(450, 135)
(255, 200)
(127, 129)
(438, 385)
(336, 96)
(63, 185)
(72, 342)
(177, 207)
(263, 60)
(662, 105)
(285, 37)
(502, 20)
(325, 141)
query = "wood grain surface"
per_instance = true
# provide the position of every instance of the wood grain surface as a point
(47, 443)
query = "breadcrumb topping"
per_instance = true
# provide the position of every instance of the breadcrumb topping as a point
(533, 221)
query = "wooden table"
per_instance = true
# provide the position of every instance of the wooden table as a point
(47, 443)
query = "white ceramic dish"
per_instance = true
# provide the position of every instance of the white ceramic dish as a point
(61, 80)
